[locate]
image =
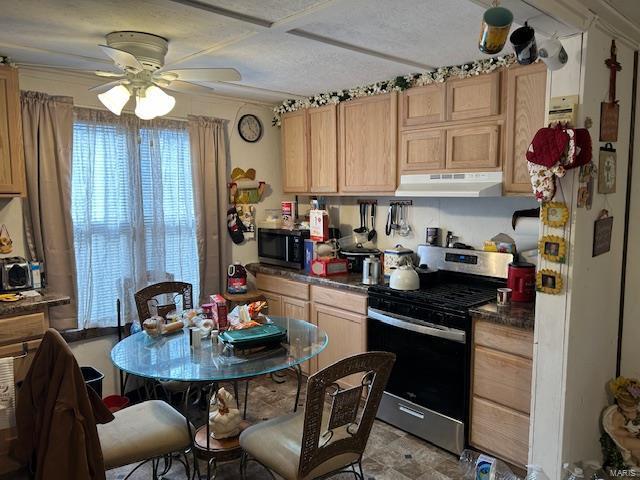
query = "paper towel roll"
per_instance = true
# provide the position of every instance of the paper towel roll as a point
(526, 233)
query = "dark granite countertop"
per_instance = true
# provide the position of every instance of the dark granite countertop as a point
(521, 315)
(351, 282)
(32, 304)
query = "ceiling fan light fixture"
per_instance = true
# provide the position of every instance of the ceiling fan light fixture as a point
(153, 102)
(115, 98)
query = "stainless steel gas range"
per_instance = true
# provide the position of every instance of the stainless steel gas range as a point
(429, 330)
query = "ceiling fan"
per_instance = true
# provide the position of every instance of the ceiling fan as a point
(139, 58)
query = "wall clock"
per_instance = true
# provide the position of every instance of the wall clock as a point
(250, 128)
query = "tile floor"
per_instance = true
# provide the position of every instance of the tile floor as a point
(391, 454)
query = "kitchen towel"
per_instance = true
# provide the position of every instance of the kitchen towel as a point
(7, 394)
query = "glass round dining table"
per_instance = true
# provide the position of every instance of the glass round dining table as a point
(171, 357)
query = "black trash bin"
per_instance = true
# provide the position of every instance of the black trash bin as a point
(93, 378)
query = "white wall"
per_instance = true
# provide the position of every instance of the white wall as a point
(576, 333)
(472, 220)
(630, 361)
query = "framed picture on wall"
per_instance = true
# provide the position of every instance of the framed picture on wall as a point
(554, 214)
(553, 248)
(549, 281)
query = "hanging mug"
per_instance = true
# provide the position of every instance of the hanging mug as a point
(523, 40)
(553, 54)
(6, 244)
(496, 23)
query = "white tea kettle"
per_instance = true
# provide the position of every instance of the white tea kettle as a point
(404, 277)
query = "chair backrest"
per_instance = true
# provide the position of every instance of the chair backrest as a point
(147, 294)
(348, 426)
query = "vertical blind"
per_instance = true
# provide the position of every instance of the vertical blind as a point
(132, 211)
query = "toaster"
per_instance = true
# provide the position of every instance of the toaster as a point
(15, 274)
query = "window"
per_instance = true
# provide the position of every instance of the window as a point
(132, 211)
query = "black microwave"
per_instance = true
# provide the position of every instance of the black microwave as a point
(282, 247)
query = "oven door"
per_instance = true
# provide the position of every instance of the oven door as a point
(431, 368)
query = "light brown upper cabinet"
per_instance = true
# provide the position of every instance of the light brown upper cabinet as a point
(323, 148)
(422, 105)
(525, 106)
(367, 144)
(12, 177)
(295, 152)
(473, 147)
(473, 97)
(422, 150)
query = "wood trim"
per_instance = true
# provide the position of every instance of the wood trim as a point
(516, 341)
(282, 286)
(351, 302)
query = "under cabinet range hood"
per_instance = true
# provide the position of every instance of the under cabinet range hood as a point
(476, 184)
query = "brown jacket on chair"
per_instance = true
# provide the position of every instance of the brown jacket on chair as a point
(56, 417)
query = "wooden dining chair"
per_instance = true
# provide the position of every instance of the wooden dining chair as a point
(321, 442)
(149, 294)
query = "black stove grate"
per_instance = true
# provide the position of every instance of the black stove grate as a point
(456, 295)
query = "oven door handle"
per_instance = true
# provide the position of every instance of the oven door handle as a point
(405, 323)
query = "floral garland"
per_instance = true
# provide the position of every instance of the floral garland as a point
(397, 84)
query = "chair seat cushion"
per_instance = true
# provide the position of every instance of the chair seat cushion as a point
(146, 430)
(276, 443)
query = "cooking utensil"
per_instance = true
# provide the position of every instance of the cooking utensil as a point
(387, 227)
(404, 278)
(372, 232)
(355, 256)
(362, 228)
(371, 270)
(394, 217)
(404, 229)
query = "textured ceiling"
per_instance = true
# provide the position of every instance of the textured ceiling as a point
(282, 48)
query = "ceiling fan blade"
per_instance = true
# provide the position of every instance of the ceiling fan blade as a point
(202, 74)
(105, 86)
(103, 73)
(186, 87)
(123, 59)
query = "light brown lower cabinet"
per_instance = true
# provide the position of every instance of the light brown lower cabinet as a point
(346, 336)
(501, 391)
(342, 315)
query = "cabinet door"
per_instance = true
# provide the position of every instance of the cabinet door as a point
(323, 149)
(346, 332)
(422, 105)
(422, 150)
(367, 144)
(295, 155)
(12, 179)
(299, 309)
(473, 97)
(526, 94)
(472, 148)
(274, 302)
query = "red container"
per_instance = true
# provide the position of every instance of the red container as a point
(219, 312)
(115, 402)
(522, 281)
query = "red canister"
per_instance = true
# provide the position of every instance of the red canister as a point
(522, 281)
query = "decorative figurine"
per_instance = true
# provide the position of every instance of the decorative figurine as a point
(224, 422)
(621, 421)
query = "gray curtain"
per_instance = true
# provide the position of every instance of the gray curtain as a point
(47, 129)
(210, 157)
